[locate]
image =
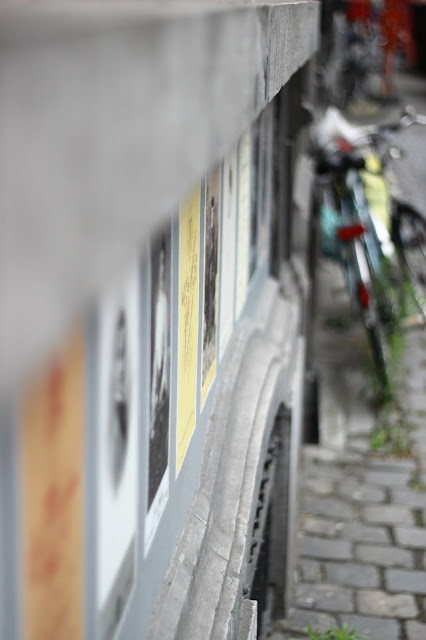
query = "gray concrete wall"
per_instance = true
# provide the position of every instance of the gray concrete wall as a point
(108, 115)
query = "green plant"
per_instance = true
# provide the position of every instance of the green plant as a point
(392, 434)
(394, 302)
(335, 634)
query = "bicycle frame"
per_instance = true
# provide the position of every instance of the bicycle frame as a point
(360, 256)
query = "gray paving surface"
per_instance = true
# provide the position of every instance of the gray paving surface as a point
(362, 528)
(362, 535)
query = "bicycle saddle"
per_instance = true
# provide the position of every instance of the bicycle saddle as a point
(339, 163)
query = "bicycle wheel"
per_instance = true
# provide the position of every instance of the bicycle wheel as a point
(410, 239)
(378, 347)
(388, 286)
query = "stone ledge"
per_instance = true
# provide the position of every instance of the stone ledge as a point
(205, 586)
(130, 106)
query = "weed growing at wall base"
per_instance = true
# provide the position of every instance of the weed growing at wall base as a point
(392, 434)
(335, 634)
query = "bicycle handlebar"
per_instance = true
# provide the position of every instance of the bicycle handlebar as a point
(408, 117)
(370, 135)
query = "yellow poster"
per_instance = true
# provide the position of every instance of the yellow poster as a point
(51, 439)
(189, 247)
(211, 242)
(243, 222)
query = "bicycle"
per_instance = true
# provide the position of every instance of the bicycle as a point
(375, 251)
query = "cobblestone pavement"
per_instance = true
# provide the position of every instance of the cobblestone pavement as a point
(362, 530)
(362, 526)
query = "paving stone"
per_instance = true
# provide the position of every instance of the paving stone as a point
(409, 497)
(352, 574)
(315, 453)
(415, 401)
(389, 464)
(380, 603)
(316, 524)
(386, 556)
(319, 486)
(314, 547)
(413, 370)
(421, 457)
(324, 471)
(362, 426)
(359, 444)
(309, 570)
(400, 581)
(373, 627)
(299, 620)
(413, 537)
(358, 492)
(322, 454)
(416, 417)
(415, 384)
(388, 514)
(417, 341)
(388, 478)
(415, 630)
(418, 434)
(364, 533)
(414, 357)
(324, 597)
(332, 507)
(279, 635)
(287, 635)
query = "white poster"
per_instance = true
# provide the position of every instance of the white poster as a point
(244, 202)
(228, 240)
(117, 435)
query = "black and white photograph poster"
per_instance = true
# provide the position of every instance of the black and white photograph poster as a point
(228, 249)
(211, 240)
(244, 160)
(159, 399)
(117, 437)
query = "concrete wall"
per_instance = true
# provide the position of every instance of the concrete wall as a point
(108, 115)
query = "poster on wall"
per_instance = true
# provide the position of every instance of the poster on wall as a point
(255, 195)
(244, 160)
(52, 453)
(211, 240)
(189, 256)
(117, 437)
(228, 242)
(159, 398)
(266, 167)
